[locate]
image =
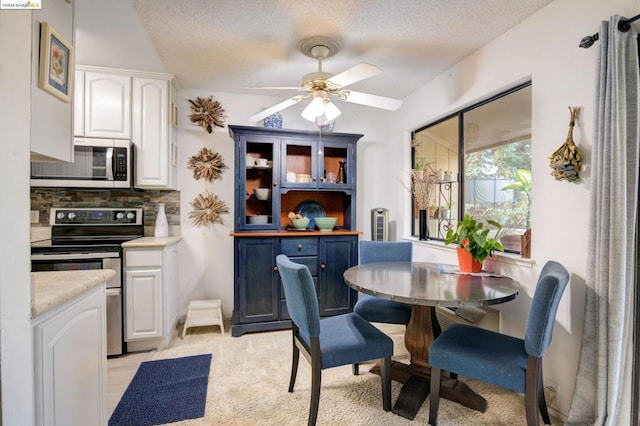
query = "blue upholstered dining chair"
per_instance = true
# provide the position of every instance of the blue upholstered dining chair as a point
(331, 341)
(376, 309)
(502, 360)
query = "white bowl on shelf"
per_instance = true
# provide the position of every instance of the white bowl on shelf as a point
(262, 193)
(258, 219)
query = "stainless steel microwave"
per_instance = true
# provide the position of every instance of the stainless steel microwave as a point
(98, 163)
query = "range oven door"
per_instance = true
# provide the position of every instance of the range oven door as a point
(86, 261)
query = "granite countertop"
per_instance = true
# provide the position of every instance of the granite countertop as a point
(52, 289)
(152, 242)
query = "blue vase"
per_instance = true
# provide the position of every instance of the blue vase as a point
(273, 121)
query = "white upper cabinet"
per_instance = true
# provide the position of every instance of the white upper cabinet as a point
(107, 105)
(151, 133)
(135, 105)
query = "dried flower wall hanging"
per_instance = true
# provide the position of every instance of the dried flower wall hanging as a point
(566, 161)
(207, 113)
(207, 210)
(206, 165)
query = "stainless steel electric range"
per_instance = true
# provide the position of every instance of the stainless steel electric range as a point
(91, 238)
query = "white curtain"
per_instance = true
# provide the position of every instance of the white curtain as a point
(613, 209)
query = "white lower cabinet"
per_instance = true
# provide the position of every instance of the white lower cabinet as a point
(151, 299)
(70, 357)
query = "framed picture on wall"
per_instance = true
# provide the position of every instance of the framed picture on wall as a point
(56, 64)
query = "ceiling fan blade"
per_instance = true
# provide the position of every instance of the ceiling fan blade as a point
(275, 88)
(276, 108)
(354, 74)
(369, 100)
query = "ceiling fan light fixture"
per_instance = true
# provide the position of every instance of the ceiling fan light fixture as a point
(314, 109)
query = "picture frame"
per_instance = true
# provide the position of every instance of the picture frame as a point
(55, 75)
(174, 115)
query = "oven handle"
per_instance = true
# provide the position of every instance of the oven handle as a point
(73, 256)
(113, 292)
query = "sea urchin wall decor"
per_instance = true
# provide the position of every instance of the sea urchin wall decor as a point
(565, 162)
(206, 165)
(207, 210)
(207, 113)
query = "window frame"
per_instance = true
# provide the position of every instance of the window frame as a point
(459, 114)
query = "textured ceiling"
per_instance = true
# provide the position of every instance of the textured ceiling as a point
(227, 45)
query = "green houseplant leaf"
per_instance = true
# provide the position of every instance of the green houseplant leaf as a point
(471, 234)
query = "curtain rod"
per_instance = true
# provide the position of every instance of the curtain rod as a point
(623, 26)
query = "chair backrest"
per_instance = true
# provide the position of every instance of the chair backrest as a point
(300, 293)
(551, 284)
(385, 251)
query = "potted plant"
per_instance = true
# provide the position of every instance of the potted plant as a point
(474, 242)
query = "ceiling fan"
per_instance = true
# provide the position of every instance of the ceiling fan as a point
(322, 86)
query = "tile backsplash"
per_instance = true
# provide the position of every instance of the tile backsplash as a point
(43, 199)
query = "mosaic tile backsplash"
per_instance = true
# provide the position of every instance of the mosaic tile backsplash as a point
(43, 199)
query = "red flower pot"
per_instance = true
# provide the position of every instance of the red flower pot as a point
(466, 261)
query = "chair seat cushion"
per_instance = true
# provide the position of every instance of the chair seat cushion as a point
(377, 309)
(348, 339)
(482, 355)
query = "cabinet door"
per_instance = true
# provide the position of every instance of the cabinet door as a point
(70, 357)
(337, 165)
(257, 210)
(107, 109)
(150, 111)
(337, 254)
(256, 297)
(299, 156)
(143, 295)
(78, 104)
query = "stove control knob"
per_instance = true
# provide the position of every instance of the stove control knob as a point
(131, 215)
(119, 215)
(60, 215)
(72, 216)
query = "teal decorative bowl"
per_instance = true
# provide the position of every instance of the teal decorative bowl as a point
(300, 223)
(326, 224)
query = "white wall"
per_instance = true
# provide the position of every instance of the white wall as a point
(544, 48)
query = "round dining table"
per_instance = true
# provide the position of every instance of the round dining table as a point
(426, 286)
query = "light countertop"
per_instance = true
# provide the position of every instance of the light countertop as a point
(152, 242)
(52, 289)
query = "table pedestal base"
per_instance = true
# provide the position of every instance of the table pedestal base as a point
(416, 384)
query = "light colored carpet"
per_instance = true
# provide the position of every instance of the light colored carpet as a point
(250, 375)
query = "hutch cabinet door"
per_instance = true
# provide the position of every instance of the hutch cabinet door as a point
(256, 294)
(299, 164)
(337, 164)
(257, 210)
(337, 254)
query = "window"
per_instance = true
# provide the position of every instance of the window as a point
(492, 179)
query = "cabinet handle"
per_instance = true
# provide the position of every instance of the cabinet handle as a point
(275, 184)
(275, 268)
(299, 246)
(322, 266)
(314, 178)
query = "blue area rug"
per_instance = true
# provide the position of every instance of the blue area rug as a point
(165, 391)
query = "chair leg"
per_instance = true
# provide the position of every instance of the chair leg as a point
(355, 368)
(316, 379)
(434, 398)
(531, 391)
(542, 402)
(385, 378)
(294, 365)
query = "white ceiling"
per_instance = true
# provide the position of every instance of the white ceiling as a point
(227, 45)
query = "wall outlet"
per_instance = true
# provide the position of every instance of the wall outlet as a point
(551, 392)
(34, 216)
